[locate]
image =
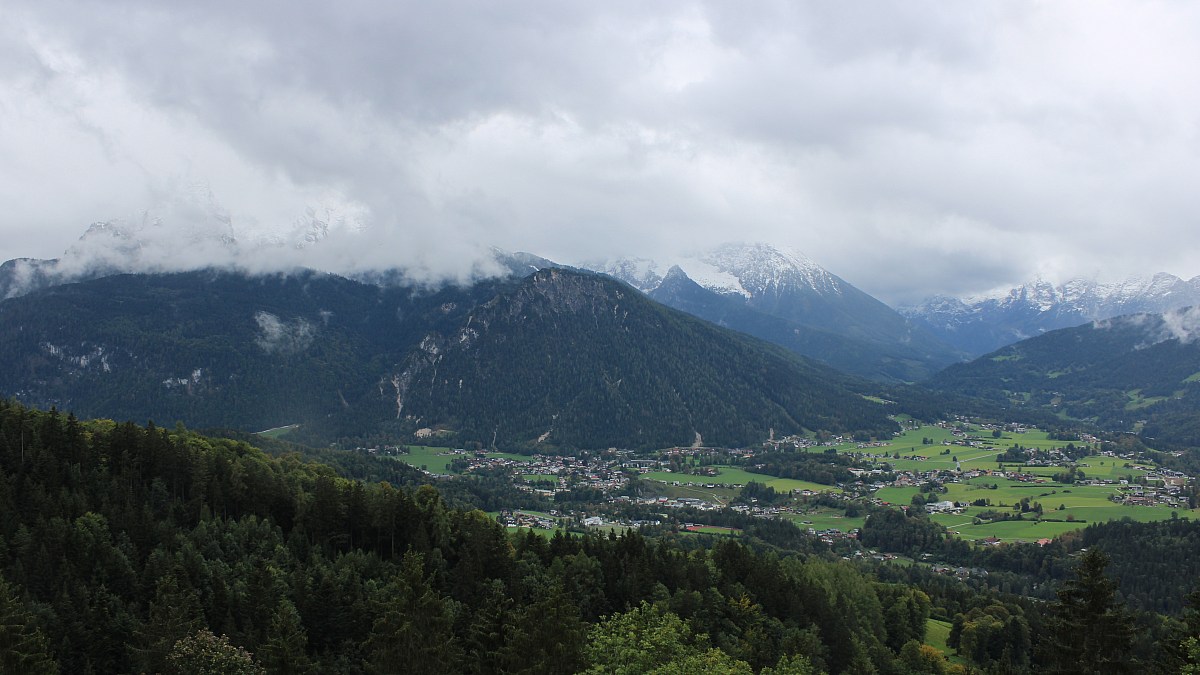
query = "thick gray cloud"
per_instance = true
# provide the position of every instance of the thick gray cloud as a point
(912, 148)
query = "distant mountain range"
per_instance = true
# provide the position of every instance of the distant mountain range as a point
(776, 295)
(982, 324)
(557, 359)
(1138, 372)
(785, 298)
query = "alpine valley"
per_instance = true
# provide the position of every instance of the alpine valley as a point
(728, 462)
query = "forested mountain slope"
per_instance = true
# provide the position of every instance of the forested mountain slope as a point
(1142, 367)
(573, 359)
(578, 358)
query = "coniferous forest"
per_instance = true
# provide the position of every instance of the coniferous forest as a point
(559, 359)
(142, 549)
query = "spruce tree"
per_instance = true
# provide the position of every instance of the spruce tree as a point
(414, 631)
(285, 651)
(23, 647)
(1089, 630)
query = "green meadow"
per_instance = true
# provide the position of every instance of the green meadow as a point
(936, 635)
(279, 432)
(1065, 507)
(731, 475)
(437, 459)
(714, 529)
(1008, 530)
(826, 519)
(719, 496)
(429, 458)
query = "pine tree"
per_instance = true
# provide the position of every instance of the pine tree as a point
(547, 636)
(414, 631)
(23, 647)
(285, 651)
(175, 613)
(1089, 631)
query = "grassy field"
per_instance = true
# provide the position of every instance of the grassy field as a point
(714, 529)
(429, 458)
(278, 432)
(897, 495)
(910, 443)
(1009, 530)
(721, 496)
(827, 519)
(731, 475)
(437, 459)
(936, 634)
(916, 455)
(1080, 505)
(1074, 505)
(510, 455)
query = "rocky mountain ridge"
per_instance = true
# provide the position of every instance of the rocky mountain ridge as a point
(981, 324)
(575, 359)
(784, 297)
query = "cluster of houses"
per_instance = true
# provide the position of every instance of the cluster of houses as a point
(593, 472)
(960, 572)
(799, 442)
(677, 503)
(829, 535)
(1166, 494)
(527, 519)
(609, 472)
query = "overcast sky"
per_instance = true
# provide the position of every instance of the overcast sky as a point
(911, 148)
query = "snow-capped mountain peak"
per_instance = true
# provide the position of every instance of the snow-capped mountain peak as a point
(759, 267)
(641, 273)
(980, 324)
(748, 270)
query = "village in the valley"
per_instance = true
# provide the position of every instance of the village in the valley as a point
(986, 483)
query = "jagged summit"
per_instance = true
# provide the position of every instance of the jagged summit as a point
(748, 270)
(762, 267)
(983, 323)
(783, 296)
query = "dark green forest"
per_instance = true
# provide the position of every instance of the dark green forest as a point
(575, 359)
(142, 549)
